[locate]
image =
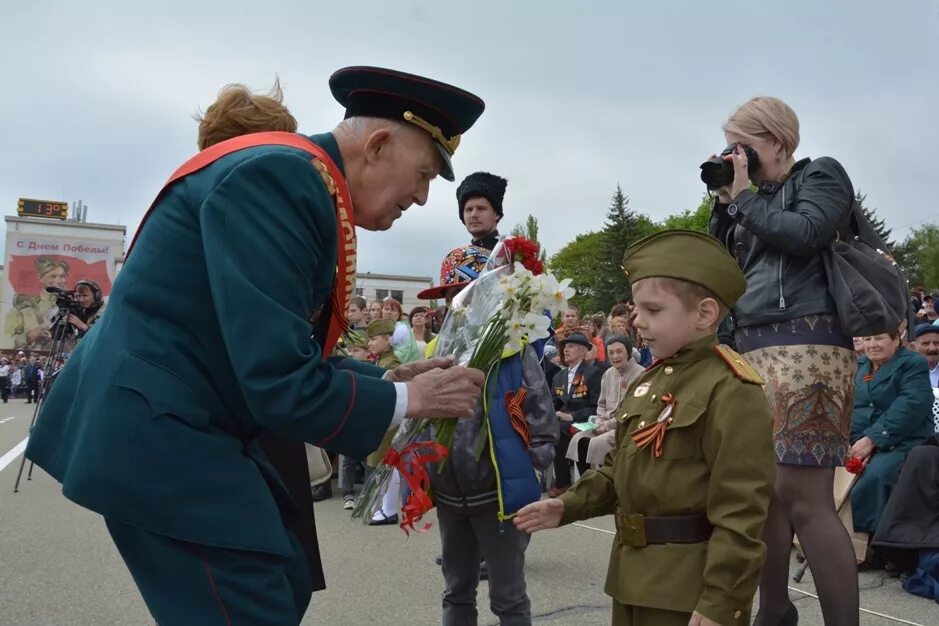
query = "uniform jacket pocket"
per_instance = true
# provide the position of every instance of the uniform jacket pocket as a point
(164, 391)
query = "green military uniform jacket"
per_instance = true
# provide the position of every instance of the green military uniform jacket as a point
(155, 420)
(717, 458)
(388, 360)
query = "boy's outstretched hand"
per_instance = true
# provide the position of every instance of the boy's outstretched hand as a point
(540, 515)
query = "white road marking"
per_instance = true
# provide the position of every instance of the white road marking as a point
(7, 419)
(899, 620)
(10, 456)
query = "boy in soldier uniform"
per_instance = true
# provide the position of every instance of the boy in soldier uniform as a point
(690, 477)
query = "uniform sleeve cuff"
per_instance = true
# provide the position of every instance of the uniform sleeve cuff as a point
(723, 612)
(401, 405)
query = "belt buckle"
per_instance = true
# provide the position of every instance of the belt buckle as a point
(632, 529)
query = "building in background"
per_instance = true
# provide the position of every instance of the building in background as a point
(46, 248)
(404, 289)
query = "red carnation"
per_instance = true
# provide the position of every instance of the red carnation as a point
(525, 251)
(854, 465)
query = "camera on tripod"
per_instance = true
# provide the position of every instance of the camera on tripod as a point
(66, 300)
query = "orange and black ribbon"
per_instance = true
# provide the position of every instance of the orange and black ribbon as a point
(655, 432)
(513, 404)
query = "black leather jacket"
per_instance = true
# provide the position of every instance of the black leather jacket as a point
(776, 234)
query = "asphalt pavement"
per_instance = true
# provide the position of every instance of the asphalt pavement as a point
(58, 567)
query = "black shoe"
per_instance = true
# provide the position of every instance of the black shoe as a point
(384, 520)
(439, 560)
(483, 571)
(323, 491)
(790, 618)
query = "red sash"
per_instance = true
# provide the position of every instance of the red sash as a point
(344, 282)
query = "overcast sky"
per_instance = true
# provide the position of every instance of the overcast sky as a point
(98, 97)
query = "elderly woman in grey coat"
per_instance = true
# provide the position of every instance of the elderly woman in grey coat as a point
(589, 448)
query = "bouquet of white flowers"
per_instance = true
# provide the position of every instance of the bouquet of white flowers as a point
(508, 306)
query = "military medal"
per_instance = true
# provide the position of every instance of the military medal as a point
(655, 432)
(642, 390)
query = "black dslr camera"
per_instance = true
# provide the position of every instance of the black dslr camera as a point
(717, 173)
(65, 300)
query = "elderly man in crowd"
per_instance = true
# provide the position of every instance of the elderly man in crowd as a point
(927, 344)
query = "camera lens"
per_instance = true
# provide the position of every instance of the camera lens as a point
(717, 173)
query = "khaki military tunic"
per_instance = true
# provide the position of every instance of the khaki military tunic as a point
(389, 361)
(717, 458)
(29, 312)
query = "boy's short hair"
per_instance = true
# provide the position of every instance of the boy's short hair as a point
(690, 294)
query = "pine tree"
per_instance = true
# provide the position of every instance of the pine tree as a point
(622, 228)
(870, 213)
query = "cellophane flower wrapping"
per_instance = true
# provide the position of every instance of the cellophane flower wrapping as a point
(509, 305)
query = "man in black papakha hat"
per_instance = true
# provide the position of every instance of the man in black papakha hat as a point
(162, 439)
(480, 200)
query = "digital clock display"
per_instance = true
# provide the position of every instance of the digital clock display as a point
(42, 208)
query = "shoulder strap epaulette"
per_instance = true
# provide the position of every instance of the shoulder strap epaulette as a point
(739, 365)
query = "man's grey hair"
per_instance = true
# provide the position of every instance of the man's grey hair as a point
(362, 127)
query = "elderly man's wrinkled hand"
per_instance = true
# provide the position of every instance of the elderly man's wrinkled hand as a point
(445, 393)
(407, 372)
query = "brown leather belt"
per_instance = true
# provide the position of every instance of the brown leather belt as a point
(637, 531)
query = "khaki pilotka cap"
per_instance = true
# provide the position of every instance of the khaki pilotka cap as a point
(686, 255)
(356, 339)
(380, 327)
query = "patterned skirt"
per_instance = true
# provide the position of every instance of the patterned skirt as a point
(809, 368)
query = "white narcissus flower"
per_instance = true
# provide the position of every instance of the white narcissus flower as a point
(537, 325)
(515, 333)
(562, 292)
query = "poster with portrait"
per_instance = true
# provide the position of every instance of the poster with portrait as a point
(34, 264)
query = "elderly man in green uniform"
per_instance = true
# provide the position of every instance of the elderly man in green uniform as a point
(247, 252)
(690, 477)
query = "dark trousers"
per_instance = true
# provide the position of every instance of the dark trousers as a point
(5, 388)
(185, 583)
(32, 391)
(466, 533)
(562, 466)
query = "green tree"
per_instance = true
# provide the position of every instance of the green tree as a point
(622, 228)
(691, 220)
(529, 230)
(919, 256)
(871, 214)
(907, 257)
(579, 260)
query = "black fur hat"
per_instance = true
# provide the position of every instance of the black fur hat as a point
(482, 185)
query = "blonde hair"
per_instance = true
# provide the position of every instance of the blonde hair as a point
(766, 117)
(237, 112)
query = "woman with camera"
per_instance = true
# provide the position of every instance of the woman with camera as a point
(787, 328)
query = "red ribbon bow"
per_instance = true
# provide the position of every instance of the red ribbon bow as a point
(414, 473)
